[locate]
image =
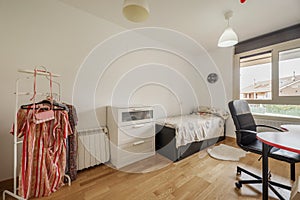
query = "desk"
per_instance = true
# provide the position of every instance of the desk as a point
(284, 140)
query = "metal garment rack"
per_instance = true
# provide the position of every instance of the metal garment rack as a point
(43, 72)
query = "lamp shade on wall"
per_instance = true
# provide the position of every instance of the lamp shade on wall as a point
(229, 37)
(136, 10)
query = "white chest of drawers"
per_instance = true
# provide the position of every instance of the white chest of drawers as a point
(131, 132)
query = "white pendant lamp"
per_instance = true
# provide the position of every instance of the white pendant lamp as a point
(136, 10)
(229, 37)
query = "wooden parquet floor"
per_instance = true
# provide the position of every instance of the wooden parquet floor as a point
(196, 177)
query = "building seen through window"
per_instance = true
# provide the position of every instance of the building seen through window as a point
(255, 77)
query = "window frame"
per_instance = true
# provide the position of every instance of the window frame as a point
(275, 50)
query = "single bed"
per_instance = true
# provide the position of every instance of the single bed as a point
(180, 136)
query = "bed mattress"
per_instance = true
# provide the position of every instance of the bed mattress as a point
(194, 127)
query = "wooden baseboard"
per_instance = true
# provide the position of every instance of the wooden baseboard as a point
(230, 139)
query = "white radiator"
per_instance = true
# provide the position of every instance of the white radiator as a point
(93, 147)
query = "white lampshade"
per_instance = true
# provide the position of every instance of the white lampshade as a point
(136, 10)
(228, 38)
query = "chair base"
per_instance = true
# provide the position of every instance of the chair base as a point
(258, 180)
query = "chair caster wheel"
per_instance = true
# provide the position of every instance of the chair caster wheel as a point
(238, 185)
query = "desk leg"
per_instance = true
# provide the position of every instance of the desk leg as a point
(265, 169)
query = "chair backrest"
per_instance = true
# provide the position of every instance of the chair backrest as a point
(243, 119)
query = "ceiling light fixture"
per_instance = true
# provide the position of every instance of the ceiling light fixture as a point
(229, 37)
(136, 10)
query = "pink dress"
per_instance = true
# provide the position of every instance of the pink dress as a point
(43, 153)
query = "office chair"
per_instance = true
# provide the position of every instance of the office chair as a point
(246, 130)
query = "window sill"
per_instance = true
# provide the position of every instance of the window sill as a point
(277, 117)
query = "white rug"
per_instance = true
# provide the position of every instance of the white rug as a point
(225, 152)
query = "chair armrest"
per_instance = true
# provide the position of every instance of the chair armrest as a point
(271, 127)
(246, 131)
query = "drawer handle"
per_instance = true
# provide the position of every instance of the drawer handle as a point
(138, 143)
(138, 125)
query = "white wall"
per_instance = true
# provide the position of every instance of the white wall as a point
(45, 33)
(161, 76)
(132, 59)
(223, 58)
(60, 37)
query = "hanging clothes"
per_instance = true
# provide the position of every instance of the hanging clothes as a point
(72, 144)
(43, 152)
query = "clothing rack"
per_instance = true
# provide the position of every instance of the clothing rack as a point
(16, 142)
(45, 73)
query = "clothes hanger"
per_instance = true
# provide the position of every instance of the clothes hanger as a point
(49, 100)
(56, 106)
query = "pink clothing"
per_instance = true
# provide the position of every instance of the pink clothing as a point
(43, 153)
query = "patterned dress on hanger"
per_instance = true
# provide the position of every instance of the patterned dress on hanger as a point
(43, 153)
(72, 144)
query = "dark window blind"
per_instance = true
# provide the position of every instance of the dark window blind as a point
(276, 37)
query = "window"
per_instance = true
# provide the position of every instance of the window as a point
(276, 110)
(256, 76)
(269, 79)
(289, 72)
